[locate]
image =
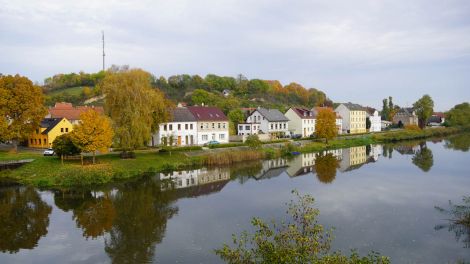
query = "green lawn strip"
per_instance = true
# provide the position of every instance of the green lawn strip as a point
(71, 91)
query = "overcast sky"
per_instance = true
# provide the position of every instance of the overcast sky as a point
(359, 51)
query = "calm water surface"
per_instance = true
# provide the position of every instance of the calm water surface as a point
(377, 197)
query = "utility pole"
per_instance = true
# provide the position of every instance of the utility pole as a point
(102, 33)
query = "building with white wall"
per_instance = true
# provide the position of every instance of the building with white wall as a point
(212, 124)
(271, 121)
(301, 121)
(375, 120)
(180, 131)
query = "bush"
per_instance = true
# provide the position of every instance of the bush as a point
(226, 145)
(412, 128)
(298, 239)
(253, 141)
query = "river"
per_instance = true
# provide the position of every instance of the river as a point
(378, 197)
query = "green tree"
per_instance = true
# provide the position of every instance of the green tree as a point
(21, 108)
(298, 239)
(459, 115)
(93, 133)
(458, 142)
(63, 145)
(253, 142)
(423, 158)
(424, 108)
(235, 117)
(325, 124)
(368, 123)
(385, 110)
(134, 107)
(24, 218)
(325, 167)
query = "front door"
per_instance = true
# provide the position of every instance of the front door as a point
(179, 140)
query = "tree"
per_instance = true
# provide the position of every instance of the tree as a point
(325, 167)
(21, 108)
(235, 117)
(253, 141)
(424, 109)
(298, 239)
(458, 142)
(63, 145)
(325, 124)
(459, 115)
(368, 123)
(385, 110)
(134, 107)
(24, 218)
(95, 216)
(93, 133)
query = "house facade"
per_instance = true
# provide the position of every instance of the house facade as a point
(271, 121)
(375, 120)
(301, 121)
(48, 130)
(212, 124)
(354, 118)
(406, 116)
(180, 131)
(246, 129)
(72, 113)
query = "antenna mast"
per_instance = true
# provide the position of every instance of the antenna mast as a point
(102, 33)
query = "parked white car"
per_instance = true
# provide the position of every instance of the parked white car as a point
(49, 152)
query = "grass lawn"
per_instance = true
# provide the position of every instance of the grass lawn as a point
(71, 90)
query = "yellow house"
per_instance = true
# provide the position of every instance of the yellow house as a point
(49, 129)
(354, 118)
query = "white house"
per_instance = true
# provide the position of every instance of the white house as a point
(271, 121)
(375, 120)
(212, 124)
(246, 129)
(301, 121)
(180, 131)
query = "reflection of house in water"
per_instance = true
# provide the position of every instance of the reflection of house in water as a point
(353, 158)
(271, 168)
(375, 151)
(407, 149)
(305, 162)
(189, 178)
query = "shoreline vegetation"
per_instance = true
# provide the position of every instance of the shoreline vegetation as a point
(49, 172)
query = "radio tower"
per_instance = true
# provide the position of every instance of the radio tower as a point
(102, 33)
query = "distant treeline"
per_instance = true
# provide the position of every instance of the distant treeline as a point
(247, 93)
(60, 81)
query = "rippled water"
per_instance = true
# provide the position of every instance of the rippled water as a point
(377, 197)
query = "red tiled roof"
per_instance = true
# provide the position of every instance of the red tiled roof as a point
(71, 113)
(439, 114)
(203, 113)
(304, 113)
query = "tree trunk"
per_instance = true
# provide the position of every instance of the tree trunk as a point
(81, 158)
(94, 154)
(15, 146)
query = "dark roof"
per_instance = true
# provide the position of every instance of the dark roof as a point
(354, 107)
(304, 113)
(182, 114)
(204, 113)
(406, 110)
(272, 115)
(49, 124)
(435, 119)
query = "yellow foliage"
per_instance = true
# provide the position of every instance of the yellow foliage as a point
(412, 127)
(325, 125)
(93, 133)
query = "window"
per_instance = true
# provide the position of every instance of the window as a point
(221, 136)
(186, 126)
(66, 129)
(164, 127)
(204, 137)
(191, 126)
(284, 125)
(213, 137)
(223, 125)
(271, 126)
(247, 127)
(62, 129)
(170, 127)
(202, 126)
(179, 126)
(218, 125)
(213, 125)
(240, 127)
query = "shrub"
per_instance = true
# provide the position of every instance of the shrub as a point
(253, 141)
(226, 145)
(412, 128)
(230, 157)
(299, 239)
(63, 145)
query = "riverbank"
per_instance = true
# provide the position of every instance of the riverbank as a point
(50, 172)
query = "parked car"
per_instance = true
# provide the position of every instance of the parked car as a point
(49, 152)
(211, 143)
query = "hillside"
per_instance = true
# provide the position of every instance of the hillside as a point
(193, 89)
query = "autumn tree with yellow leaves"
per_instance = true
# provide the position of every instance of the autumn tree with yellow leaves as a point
(21, 108)
(94, 133)
(325, 124)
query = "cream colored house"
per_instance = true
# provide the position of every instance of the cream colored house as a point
(301, 121)
(354, 118)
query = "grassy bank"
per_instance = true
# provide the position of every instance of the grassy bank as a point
(50, 172)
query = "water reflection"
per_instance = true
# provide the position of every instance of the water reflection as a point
(24, 218)
(423, 158)
(458, 142)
